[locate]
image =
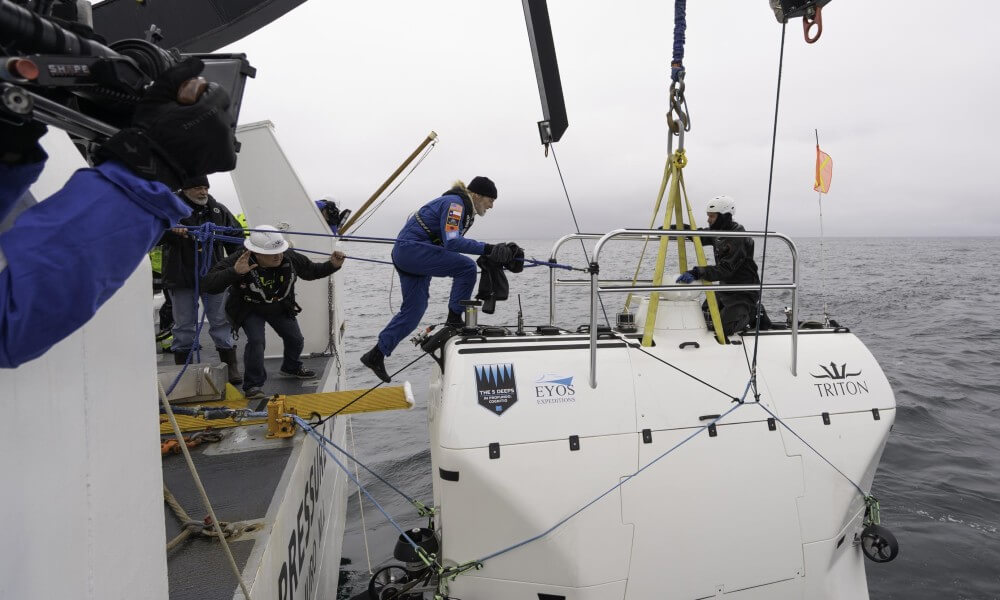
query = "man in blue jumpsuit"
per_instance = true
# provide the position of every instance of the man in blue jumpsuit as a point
(431, 244)
(62, 258)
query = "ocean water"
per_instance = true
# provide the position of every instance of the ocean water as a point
(925, 307)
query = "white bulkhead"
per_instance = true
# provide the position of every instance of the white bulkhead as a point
(520, 442)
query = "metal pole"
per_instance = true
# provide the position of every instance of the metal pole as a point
(552, 296)
(593, 327)
(430, 138)
(795, 309)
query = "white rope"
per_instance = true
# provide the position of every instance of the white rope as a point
(361, 504)
(392, 282)
(201, 488)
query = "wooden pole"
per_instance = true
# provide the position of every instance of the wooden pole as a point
(430, 138)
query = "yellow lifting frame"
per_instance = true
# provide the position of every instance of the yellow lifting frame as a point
(673, 175)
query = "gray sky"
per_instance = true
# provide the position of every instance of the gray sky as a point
(902, 92)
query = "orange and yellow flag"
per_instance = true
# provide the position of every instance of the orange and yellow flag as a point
(824, 171)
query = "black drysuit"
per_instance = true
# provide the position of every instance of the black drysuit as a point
(734, 264)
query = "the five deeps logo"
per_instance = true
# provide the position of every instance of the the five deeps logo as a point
(496, 387)
(554, 389)
(841, 383)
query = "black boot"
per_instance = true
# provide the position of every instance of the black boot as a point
(455, 319)
(180, 356)
(228, 356)
(375, 360)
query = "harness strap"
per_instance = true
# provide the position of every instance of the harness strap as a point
(435, 239)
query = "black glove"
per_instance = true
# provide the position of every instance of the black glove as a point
(20, 142)
(500, 254)
(170, 141)
(697, 272)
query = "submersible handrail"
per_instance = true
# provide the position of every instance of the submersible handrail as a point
(595, 287)
(552, 259)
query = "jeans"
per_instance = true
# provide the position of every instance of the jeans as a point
(186, 319)
(254, 374)
(416, 264)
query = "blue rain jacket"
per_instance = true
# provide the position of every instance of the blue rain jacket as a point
(68, 254)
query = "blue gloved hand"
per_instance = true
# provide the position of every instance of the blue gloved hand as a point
(686, 277)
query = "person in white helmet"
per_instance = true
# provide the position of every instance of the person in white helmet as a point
(734, 264)
(261, 284)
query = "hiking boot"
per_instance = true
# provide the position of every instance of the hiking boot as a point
(455, 319)
(375, 360)
(180, 356)
(301, 373)
(228, 356)
(254, 393)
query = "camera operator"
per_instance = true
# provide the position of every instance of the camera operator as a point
(64, 257)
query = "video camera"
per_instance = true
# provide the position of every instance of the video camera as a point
(57, 71)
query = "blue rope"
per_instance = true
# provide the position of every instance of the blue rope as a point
(616, 486)
(680, 24)
(792, 431)
(306, 427)
(409, 498)
(198, 231)
(204, 239)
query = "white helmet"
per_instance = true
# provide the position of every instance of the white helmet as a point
(266, 240)
(722, 205)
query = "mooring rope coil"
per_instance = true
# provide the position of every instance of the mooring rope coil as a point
(201, 489)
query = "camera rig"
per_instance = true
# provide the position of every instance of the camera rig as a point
(66, 77)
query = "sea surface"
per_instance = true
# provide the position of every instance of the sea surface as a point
(925, 307)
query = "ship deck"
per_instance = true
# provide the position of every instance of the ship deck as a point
(245, 476)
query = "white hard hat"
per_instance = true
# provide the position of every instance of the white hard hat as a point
(722, 205)
(266, 240)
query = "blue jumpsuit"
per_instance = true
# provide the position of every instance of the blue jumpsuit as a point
(431, 245)
(67, 255)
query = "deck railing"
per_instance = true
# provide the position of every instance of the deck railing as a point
(610, 286)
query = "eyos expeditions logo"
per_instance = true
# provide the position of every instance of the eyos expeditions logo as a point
(496, 387)
(841, 382)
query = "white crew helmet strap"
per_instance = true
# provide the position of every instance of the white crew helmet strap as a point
(266, 240)
(722, 205)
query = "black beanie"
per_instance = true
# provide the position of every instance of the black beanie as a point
(193, 182)
(483, 186)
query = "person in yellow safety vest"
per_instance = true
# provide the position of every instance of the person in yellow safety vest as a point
(163, 335)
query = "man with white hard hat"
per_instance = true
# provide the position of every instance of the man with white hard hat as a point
(734, 264)
(261, 284)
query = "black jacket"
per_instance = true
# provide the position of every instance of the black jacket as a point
(493, 284)
(178, 251)
(244, 290)
(733, 261)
